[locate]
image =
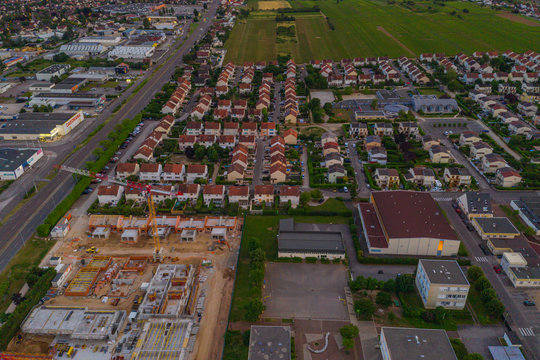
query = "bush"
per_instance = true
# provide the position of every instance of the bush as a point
(384, 299)
(365, 308)
(474, 272)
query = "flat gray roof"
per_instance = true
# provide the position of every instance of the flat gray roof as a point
(500, 225)
(60, 117)
(11, 159)
(269, 343)
(53, 68)
(506, 353)
(308, 237)
(478, 203)
(444, 272)
(418, 344)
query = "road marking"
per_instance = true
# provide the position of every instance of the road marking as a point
(526, 331)
(444, 199)
(481, 258)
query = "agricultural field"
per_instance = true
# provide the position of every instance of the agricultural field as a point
(273, 5)
(375, 28)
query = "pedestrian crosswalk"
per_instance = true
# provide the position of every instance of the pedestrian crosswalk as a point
(443, 198)
(481, 258)
(526, 331)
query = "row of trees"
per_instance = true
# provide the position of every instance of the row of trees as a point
(488, 295)
(257, 257)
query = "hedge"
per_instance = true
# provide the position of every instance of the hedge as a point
(63, 207)
(13, 323)
(400, 261)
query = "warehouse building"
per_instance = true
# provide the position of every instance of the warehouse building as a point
(495, 228)
(406, 223)
(132, 52)
(528, 208)
(518, 270)
(82, 49)
(76, 100)
(442, 283)
(52, 71)
(40, 126)
(408, 344)
(13, 162)
(309, 240)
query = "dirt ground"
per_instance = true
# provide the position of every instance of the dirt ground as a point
(31, 344)
(519, 19)
(219, 283)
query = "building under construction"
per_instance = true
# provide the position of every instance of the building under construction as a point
(86, 277)
(164, 339)
(169, 292)
(74, 322)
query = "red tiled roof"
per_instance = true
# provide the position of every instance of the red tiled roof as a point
(264, 189)
(289, 191)
(373, 227)
(126, 167)
(238, 190)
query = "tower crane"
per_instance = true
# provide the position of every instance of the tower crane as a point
(147, 190)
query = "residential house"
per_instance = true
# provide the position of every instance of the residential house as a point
(212, 128)
(468, 138)
(231, 128)
(421, 176)
(372, 141)
(185, 141)
(428, 141)
(332, 159)
(383, 129)
(196, 171)
(226, 141)
(235, 172)
(110, 194)
(268, 129)
(290, 136)
(278, 173)
(150, 172)
(189, 192)
(440, 155)
(377, 155)
(358, 130)
(206, 140)
(480, 149)
(124, 170)
(194, 128)
(248, 129)
(492, 162)
(519, 127)
(248, 141)
(455, 177)
(336, 172)
(240, 195)
(173, 172)
(328, 137)
(264, 194)
(330, 147)
(409, 128)
(386, 178)
(507, 177)
(289, 194)
(214, 194)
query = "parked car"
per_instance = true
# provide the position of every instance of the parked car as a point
(88, 190)
(529, 303)
(497, 269)
(484, 249)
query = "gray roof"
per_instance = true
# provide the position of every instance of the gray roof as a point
(478, 203)
(458, 171)
(37, 116)
(11, 159)
(337, 168)
(447, 272)
(269, 343)
(500, 225)
(506, 353)
(418, 344)
(53, 68)
(528, 272)
(308, 237)
(428, 100)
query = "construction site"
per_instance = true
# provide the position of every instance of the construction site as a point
(135, 288)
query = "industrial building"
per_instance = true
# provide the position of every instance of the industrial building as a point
(528, 208)
(408, 343)
(495, 228)
(309, 240)
(406, 223)
(164, 339)
(74, 322)
(475, 204)
(40, 126)
(430, 104)
(77, 100)
(55, 70)
(169, 292)
(13, 162)
(442, 283)
(269, 343)
(518, 271)
(82, 49)
(132, 52)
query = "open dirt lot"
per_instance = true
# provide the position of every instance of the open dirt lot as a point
(273, 5)
(519, 19)
(305, 291)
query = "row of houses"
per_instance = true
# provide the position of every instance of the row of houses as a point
(290, 112)
(333, 158)
(178, 97)
(145, 152)
(412, 71)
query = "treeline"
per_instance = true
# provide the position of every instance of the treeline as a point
(41, 284)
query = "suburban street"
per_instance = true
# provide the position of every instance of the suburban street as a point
(23, 223)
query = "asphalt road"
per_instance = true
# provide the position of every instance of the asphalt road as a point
(19, 227)
(519, 315)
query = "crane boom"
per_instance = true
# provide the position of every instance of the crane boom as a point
(147, 189)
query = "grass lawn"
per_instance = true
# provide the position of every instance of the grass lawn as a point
(514, 218)
(479, 308)
(332, 204)
(430, 91)
(381, 29)
(30, 254)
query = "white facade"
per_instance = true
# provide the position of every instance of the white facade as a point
(132, 52)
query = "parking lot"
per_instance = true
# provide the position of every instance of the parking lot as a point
(305, 291)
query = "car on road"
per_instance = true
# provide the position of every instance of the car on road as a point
(484, 249)
(469, 226)
(529, 303)
(497, 269)
(88, 190)
(458, 210)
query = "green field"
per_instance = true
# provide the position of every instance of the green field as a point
(375, 28)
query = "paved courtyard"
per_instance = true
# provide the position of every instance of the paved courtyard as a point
(305, 291)
(478, 338)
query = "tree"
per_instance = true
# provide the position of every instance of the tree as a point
(488, 294)
(384, 299)
(316, 194)
(440, 315)
(390, 286)
(349, 331)
(495, 308)
(404, 283)
(189, 152)
(254, 309)
(348, 343)
(200, 153)
(304, 198)
(473, 273)
(212, 154)
(146, 23)
(375, 104)
(256, 277)
(481, 284)
(257, 258)
(364, 308)
(61, 57)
